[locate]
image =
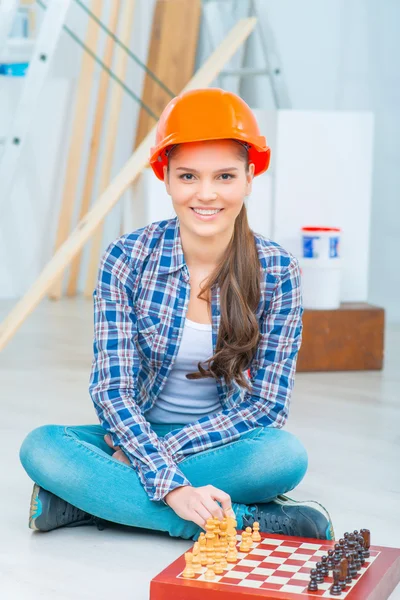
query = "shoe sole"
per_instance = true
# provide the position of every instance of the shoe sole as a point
(284, 500)
(36, 508)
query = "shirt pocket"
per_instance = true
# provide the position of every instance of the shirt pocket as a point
(148, 330)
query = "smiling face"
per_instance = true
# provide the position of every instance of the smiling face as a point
(208, 183)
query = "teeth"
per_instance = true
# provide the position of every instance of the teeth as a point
(207, 212)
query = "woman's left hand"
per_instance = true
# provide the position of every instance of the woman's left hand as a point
(119, 454)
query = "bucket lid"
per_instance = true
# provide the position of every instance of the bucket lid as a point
(320, 229)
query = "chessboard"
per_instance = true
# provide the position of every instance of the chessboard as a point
(278, 568)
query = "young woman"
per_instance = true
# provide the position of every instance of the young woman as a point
(197, 327)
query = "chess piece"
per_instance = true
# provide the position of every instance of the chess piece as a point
(256, 537)
(196, 558)
(203, 553)
(249, 541)
(330, 563)
(366, 535)
(231, 557)
(313, 585)
(189, 571)
(209, 574)
(336, 588)
(343, 573)
(320, 575)
(243, 544)
(352, 567)
(223, 535)
(339, 550)
(218, 569)
(325, 569)
(210, 538)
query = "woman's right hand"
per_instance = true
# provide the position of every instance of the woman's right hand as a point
(199, 504)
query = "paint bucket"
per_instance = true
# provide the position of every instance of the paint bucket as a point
(321, 242)
(321, 282)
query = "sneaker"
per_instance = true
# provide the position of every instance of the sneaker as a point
(48, 512)
(286, 516)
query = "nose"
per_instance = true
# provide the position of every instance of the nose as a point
(205, 191)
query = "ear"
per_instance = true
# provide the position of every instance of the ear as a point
(249, 178)
(166, 180)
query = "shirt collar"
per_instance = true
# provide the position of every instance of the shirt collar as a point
(171, 256)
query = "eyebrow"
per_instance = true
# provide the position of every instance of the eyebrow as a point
(218, 171)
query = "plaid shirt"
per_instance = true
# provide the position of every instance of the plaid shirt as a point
(140, 303)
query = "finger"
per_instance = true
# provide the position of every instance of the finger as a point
(121, 456)
(213, 508)
(225, 500)
(108, 441)
(204, 513)
(198, 519)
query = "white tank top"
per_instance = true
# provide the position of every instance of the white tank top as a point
(184, 400)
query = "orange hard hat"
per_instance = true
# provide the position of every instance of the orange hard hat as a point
(208, 114)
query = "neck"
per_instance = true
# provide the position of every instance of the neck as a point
(201, 251)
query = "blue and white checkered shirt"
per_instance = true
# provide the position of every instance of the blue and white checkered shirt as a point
(140, 303)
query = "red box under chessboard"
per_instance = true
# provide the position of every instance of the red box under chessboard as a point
(278, 568)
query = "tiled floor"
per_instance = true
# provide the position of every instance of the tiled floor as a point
(349, 422)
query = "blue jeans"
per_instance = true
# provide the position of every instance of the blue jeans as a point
(75, 463)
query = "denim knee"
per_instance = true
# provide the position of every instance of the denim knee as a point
(37, 453)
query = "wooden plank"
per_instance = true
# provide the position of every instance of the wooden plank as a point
(110, 139)
(75, 155)
(133, 167)
(94, 148)
(171, 56)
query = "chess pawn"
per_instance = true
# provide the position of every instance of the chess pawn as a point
(256, 537)
(210, 537)
(196, 558)
(243, 544)
(189, 571)
(325, 569)
(223, 535)
(218, 568)
(320, 574)
(231, 557)
(203, 553)
(249, 532)
(313, 585)
(336, 588)
(209, 574)
(330, 563)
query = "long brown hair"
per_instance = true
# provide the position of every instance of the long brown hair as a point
(238, 276)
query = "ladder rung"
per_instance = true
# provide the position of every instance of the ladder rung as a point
(244, 71)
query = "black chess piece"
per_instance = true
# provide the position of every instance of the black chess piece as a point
(320, 574)
(330, 563)
(356, 532)
(336, 588)
(343, 573)
(324, 560)
(338, 550)
(366, 535)
(357, 560)
(352, 567)
(346, 535)
(313, 585)
(361, 554)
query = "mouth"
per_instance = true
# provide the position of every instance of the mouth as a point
(205, 214)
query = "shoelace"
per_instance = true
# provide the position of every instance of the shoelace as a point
(270, 522)
(71, 514)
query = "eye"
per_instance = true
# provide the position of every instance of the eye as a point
(227, 174)
(186, 175)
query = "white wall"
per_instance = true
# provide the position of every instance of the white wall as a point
(341, 55)
(335, 55)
